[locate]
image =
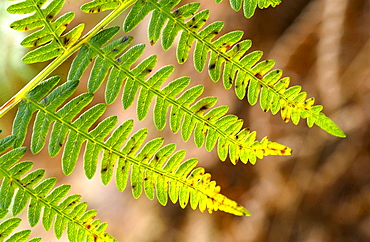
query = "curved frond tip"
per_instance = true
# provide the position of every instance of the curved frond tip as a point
(156, 169)
(228, 60)
(21, 188)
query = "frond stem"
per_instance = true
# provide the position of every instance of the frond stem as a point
(60, 59)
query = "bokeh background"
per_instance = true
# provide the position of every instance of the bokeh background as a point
(320, 193)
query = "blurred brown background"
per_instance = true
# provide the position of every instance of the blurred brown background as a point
(320, 193)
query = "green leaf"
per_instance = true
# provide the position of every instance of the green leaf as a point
(137, 14)
(98, 6)
(8, 226)
(3, 213)
(329, 126)
(22, 198)
(6, 142)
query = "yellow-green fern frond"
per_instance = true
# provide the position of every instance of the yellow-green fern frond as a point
(250, 77)
(21, 188)
(159, 170)
(210, 125)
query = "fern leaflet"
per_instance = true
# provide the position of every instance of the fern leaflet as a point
(249, 76)
(30, 188)
(152, 166)
(9, 225)
(101, 5)
(209, 128)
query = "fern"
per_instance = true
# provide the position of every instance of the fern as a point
(66, 122)
(250, 77)
(208, 127)
(147, 165)
(52, 43)
(30, 188)
(68, 50)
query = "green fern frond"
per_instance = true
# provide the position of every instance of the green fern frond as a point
(49, 38)
(66, 53)
(249, 6)
(152, 166)
(30, 188)
(8, 226)
(210, 126)
(250, 77)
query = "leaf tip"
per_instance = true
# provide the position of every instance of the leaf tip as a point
(329, 126)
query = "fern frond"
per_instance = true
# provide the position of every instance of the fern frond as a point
(49, 39)
(249, 6)
(8, 226)
(250, 77)
(6, 143)
(61, 58)
(152, 166)
(210, 126)
(30, 188)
